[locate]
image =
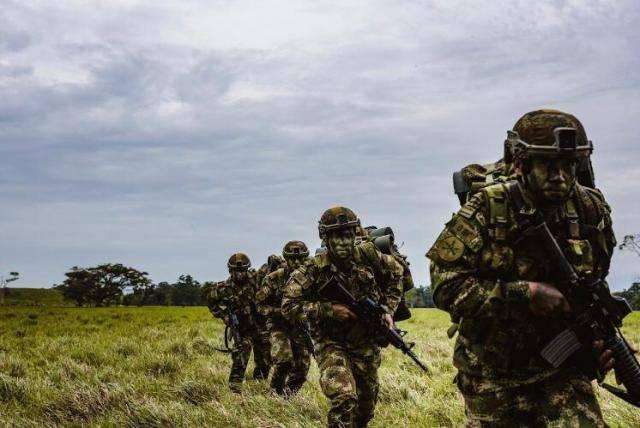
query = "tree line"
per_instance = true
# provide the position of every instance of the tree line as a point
(632, 294)
(116, 284)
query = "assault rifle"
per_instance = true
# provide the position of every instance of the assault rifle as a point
(370, 314)
(308, 341)
(232, 336)
(595, 315)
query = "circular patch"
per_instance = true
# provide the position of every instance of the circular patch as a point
(450, 249)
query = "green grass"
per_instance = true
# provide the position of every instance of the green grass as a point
(34, 297)
(157, 366)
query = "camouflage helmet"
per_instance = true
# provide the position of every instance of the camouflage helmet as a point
(295, 249)
(239, 261)
(337, 218)
(547, 133)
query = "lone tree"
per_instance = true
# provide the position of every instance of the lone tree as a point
(102, 285)
(3, 283)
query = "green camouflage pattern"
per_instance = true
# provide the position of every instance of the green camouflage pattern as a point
(291, 361)
(261, 353)
(289, 353)
(479, 274)
(239, 261)
(478, 176)
(349, 380)
(240, 298)
(536, 127)
(563, 400)
(276, 263)
(337, 218)
(347, 355)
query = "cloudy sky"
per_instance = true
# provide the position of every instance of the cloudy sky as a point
(168, 135)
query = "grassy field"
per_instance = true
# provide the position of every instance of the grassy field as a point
(34, 297)
(157, 366)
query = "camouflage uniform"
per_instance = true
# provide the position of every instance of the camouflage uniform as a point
(261, 344)
(289, 352)
(480, 268)
(240, 298)
(347, 355)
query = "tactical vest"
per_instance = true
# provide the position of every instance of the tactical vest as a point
(512, 341)
(360, 282)
(583, 213)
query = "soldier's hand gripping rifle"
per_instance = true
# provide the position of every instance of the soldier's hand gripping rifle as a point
(370, 314)
(232, 336)
(595, 315)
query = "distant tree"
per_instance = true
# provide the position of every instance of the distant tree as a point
(162, 294)
(632, 295)
(420, 297)
(104, 284)
(13, 276)
(77, 285)
(205, 289)
(186, 291)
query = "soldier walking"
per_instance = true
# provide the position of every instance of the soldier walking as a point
(347, 354)
(498, 284)
(290, 351)
(236, 297)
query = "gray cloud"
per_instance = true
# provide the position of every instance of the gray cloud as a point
(168, 137)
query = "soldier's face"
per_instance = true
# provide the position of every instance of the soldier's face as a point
(294, 263)
(239, 275)
(552, 180)
(341, 244)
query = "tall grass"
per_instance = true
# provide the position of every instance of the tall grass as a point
(157, 366)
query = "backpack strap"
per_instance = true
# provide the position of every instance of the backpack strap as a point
(573, 220)
(498, 215)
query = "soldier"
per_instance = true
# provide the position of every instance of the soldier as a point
(499, 288)
(290, 351)
(384, 240)
(274, 262)
(237, 295)
(347, 354)
(262, 343)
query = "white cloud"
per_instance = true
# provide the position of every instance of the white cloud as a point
(169, 135)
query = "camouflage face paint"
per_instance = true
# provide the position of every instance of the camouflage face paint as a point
(239, 276)
(294, 263)
(551, 180)
(341, 244)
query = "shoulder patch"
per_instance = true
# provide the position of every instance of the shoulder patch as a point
(466, 233)
(450, 248)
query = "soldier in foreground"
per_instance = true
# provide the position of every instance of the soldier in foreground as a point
(501, 287)
(233, 301)
(290, 345)
(348, 354)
